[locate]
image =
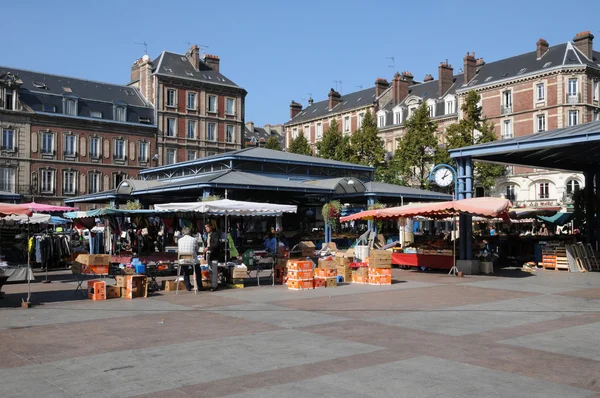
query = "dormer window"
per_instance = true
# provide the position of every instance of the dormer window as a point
(449, 107)
(70, 107)
(121, 113)
(10, 99)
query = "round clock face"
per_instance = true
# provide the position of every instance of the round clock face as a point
(443, 177)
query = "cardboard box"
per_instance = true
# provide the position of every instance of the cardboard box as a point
(327, 263)
(360, 279)
(79, 268)
(380, 279)
(380, 254)
(171, 286)
(380, 263)
(331, 282)
(350, 254)
(331, 246)
(341, 259)
(281, 275)
(299, 274)
(325, 272)
(307, 248)
(300, 284)
(345, 272)
(96, 289)
(137, 286)
(129, 271)
(237, 273)
(94, 259)
(320, 282)
(299, 265)
(380, 271)
(121, 281)
(362, 271)
(113, 292)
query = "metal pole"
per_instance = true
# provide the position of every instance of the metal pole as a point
(28, 264)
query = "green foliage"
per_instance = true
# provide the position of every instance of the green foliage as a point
(343, 152)
(331, 211)
(417, 151)
(273, 143)
(367, 148)
(473, 130)
(376, 206)
(132, 205)
(210, 198)
(300, 145)
(332, 139)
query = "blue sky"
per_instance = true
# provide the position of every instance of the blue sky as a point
(283, 50)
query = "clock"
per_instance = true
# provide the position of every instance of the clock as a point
(443, 177)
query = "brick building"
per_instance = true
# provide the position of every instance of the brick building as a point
(258, 136)
(199, 111)
(65, 137)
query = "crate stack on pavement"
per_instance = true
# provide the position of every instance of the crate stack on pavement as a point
(343, 260)
(326, 273)
(380, 267)
(300, 274)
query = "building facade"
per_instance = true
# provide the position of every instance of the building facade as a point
(258, 136)
(64, 137)
(199, 111)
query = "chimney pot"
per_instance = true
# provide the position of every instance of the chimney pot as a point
(295, 108)
(381, 85)
(334, 98)
(212, 61)
(470, 67)
(445, 77)
(541, 47)
(193, 55)
(428, 78)
(584, 42)
(399, 88)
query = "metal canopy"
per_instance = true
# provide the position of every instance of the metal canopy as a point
(575, 148)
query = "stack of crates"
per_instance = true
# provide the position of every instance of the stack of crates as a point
(360, 276)
(380, 276)
(326, 273)
(380, 267)
(300, 275)
(96, 290)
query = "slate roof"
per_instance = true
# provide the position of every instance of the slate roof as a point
(375, 188)
(177, 65)
(318, 110)
(260, 135)
(44, 92)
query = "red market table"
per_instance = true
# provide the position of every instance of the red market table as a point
(423, 260)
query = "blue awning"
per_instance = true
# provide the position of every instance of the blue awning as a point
(558, 218)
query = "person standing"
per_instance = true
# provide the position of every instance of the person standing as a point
(271, 243)
(212, 251)
(187, 245)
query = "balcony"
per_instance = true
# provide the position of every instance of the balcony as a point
(573, 98)
(506, 109)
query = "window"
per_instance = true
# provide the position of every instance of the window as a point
(543, 190)
(596, 89)
(69, 181)
(346, 124)
(430, 110)
(191, 129)
(70, 145)
(573, 118)
(171, 97)
(449, 107)
(191, 100)
(121, 114)
(398, 117)
(381, 121)
(572, 187)
(541, 123)
(9, 99)
(210, 132)
(572, 87)
(171, 158)
(118, 178)
(8, 139)
(507, 131)
(229, 135)
(294, 133)
(510, 193)
(47, 181)
(212, 103)
(191, 155)
(96, 114)
(230, 106)
(540, 92)
(71, 107)
(507, 98)
(143, 151)
(119, 149)
(47, 143)
(7, 179)
(94, 182)
(361, 116)
(306, 132)
(596, 115)
(171, 131)
(319, 130)
(95, 147)
(50, 108)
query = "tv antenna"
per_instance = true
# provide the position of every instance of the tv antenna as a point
(359, 86)
(336, 86)
(393, 65)
(145, 46)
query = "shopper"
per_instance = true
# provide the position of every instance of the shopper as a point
(187, 245)
(212, 251)
(271, 243)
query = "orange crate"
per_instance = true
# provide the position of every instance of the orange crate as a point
(299, 274)
(96, 290)
(299, 265)
(325, 272)
(300, 284)
(137, 286)
(380, 280)
(380, 271)
(320, 282)
(360, 279)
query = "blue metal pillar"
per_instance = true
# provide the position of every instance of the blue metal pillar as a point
(326, 232)
(468, 169)
(461, 195)
(370, 202)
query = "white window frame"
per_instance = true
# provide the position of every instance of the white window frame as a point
(119, 143)
(510, 192)
(94, 182)
(229, 110)
(229, 133)
(191, 128)
(13, 99)
(173, 152)
(47, 180)
(596, 89)
(98, 144)
(8, 146)
(570, 186)
(573, 83)
(214, 103)
(143, 151)
(361, 117)
(121, 113)
(190, 152)
(50, 150)
(505, 133)
(430, 111)
(507, 98)
(398, 117)
(191, 100)
(7, 179)
(212, 130)
(70, 145)
(171, 132)
(449, 107)
(96, 114)
(319, 130)
(381, 120)
(294, 133)
(540, 123)
(573, 118)
(171, 100)
(69, 176)
(543, 190)
(346, 124)
(70, 107)
(540, 92)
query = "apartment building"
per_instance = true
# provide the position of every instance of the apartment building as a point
(258, 136)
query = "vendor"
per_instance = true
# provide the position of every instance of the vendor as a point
(186, 245)
(271, 243)
(212, 251)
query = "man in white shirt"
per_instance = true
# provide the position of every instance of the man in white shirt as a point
(188, 245)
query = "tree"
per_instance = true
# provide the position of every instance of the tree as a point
(300, 145)
(343, 152)
(331, 141)
(273, 143)
(473, 129)
(366, 146)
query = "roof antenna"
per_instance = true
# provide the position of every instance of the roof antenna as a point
(145, 46)
(359, 86)
(393, 65)
(336, 86)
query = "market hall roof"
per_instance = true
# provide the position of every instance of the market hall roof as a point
(575, 148)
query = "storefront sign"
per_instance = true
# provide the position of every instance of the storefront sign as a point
(537, 203)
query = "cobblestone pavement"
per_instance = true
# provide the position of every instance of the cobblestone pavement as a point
(515, 334)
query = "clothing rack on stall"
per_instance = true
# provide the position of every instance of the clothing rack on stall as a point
(46, 234)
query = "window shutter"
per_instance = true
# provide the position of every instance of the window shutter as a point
(34, 142)
(132, 150)
(106, 149)
(106, 183)
(82, 146)
(82, 186)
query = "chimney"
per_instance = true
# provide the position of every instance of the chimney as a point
(334, 98)
(584, 43)
(141, 72)
(193, 55)
(408, 77)
(428, 78)
(250, 126)
(445, 77)
(542, 46)
(380, 86)
(310, 101)
(399, 88)
(480, 62)
(212, 61)
(470, 67)
(295, 108)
